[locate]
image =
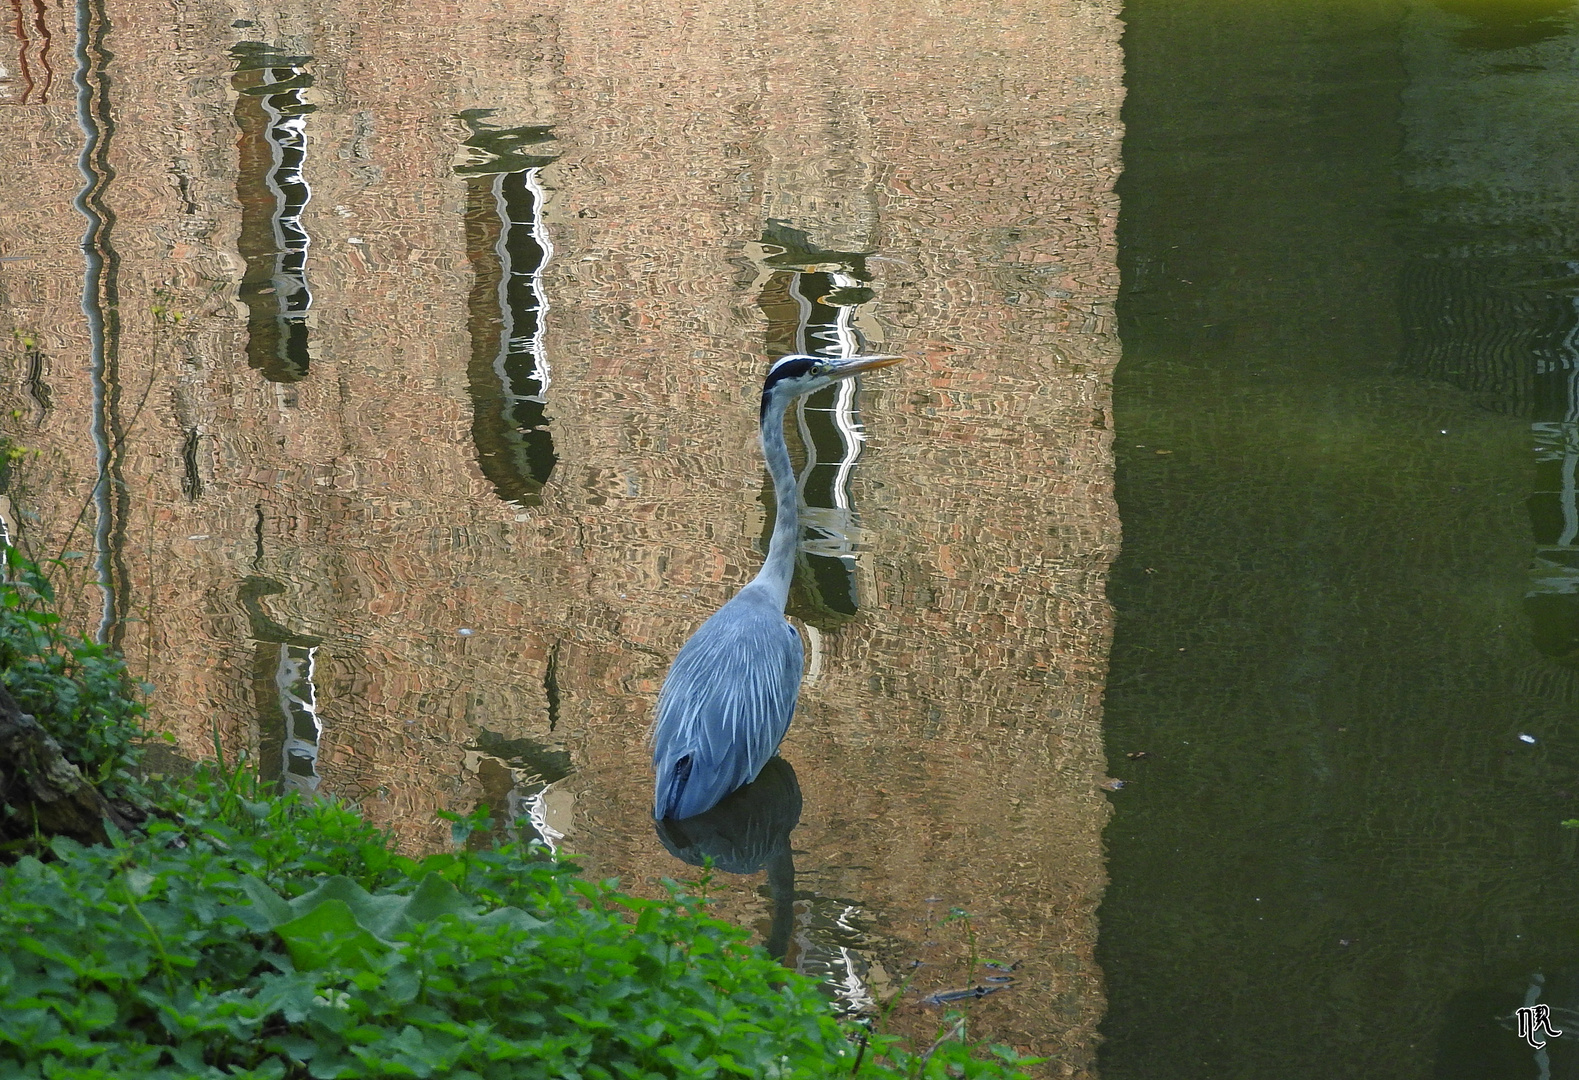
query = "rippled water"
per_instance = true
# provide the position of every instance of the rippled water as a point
(394, 373)
(393, 379)
(1343, 681)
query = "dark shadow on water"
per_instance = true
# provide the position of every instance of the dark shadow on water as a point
(1497, 25)
(745, 833)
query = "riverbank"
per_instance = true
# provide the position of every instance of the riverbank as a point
(240, 933)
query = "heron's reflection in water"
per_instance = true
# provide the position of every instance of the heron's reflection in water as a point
(749, 831)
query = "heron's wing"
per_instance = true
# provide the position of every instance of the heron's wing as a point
(725, 706)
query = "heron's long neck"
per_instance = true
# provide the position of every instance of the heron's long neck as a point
(779, 566)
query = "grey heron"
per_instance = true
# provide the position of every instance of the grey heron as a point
(731, 690)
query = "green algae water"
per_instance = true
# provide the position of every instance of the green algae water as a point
(1345, 676)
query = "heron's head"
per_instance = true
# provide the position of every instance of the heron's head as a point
(792, 376)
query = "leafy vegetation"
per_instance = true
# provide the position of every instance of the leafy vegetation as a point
(77, 690)
(252, 935)
(267, 937)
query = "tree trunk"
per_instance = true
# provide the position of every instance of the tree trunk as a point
(47, 794)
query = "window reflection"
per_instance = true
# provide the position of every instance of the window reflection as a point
(294, 760)
(522, 789)
(818, 303)
(1553, 599)
(508, 245)
(271, 113)
(284, 667)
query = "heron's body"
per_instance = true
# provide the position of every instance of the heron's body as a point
(729, 696)
(727, 728)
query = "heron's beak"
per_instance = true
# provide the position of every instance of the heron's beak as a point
(850, 365)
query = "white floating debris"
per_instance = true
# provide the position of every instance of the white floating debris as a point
(465, 631)
(1527, 738)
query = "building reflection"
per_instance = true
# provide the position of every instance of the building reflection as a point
(271, 113)
(520, 782)
(284, 663)
(818, 302)
(1489, 291)
(508, 246)
(387, 538)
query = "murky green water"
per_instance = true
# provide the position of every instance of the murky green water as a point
(1344, 677)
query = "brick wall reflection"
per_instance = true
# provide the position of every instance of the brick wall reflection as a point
(947, 745)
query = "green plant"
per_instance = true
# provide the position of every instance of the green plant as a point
(79, 691)
(254, 935)
(265, 936)
(162, 308)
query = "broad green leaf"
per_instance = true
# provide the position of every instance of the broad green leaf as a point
(381, 915)
(329, 936)
(402, 983)
(512, 917)
(298, 1047)
(290, 995)
(139, 881)
(435, 897)
(269, 904)
(98, 1010)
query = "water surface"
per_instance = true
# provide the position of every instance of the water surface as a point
(394, 377)
(1343, 682)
